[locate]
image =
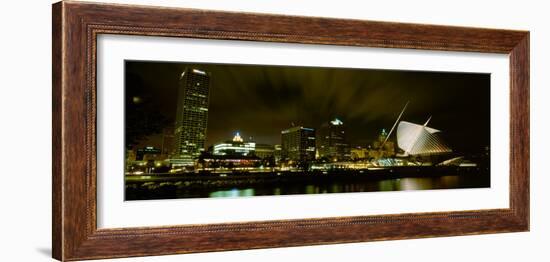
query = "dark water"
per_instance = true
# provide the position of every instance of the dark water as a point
(177, 190)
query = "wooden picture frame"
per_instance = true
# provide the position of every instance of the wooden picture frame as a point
(76, 26)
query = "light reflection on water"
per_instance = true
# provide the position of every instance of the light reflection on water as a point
(233, 193)
(443, 182)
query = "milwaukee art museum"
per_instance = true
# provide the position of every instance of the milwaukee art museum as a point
(418, 140)
(415, 139)
(420, 145)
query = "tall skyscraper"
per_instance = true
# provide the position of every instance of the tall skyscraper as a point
(191, 115)
(298, 144)
(331, 141)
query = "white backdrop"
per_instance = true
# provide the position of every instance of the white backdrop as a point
(25, 86)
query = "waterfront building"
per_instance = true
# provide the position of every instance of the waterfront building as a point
(359, 153)
(228, 163)
(415, 139)
(277, 153)
(298, 144)
(148, 159)
(130, 155)
(264, 151)
(236, 154)
(235, 147)
(383, 146)
(331, 141)
(191, 116)
(148, 153)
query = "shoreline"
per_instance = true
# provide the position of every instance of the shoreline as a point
(337, 174)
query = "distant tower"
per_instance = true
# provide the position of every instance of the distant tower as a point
(191, 115)
(298, 144)
(332, 142)
(384, 145)
(167, 148)
(383, 135)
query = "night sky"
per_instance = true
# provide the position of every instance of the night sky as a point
(260, 101)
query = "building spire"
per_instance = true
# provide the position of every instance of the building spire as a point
(394, 124)
(427, 121)
(237, 137)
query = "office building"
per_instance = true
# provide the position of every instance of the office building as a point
(264, 151)
(148, 153)
(382, 147)
(277, 152)
(235, 147)
(359, 153)
(191, 116)
(332, 144)
(298, 144)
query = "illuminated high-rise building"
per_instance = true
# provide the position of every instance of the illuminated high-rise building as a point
(298, 144)
(191, 115)
(331, 141)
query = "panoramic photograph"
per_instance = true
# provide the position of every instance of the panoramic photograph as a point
(201, 130)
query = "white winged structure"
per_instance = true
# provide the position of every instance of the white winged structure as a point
(417, 139)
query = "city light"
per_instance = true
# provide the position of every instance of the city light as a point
(197, 71)
(237, 138)
(336, 122)
(265, 133)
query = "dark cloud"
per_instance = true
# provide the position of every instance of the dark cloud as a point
(260, 101)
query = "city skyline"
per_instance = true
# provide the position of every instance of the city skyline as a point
(234, 109)
(247, 130)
